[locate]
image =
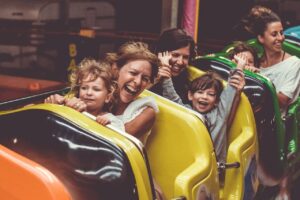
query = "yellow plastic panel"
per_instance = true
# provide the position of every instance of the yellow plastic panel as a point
(180, 152)
(133, 153)
(242, 146)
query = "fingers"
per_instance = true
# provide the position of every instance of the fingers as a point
(241, 60)
(102, 120)
(252, 69)
(164, 72)
(237, 81)
(164, 58)
(56, 99)
(76, 104)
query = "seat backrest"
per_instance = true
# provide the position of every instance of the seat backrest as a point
(181, 153)
(292, 35)
(291, 46)
(269, 125)
(242, 146)
(23, 179)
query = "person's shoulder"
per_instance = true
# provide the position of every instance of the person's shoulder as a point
(293, 61)
(141, 102)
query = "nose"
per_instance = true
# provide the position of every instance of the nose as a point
(280, 37)
(89, 91)
(180, 60)
(138, 80)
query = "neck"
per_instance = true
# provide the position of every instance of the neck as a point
(96, 112)
(272, 58)
(121, 108)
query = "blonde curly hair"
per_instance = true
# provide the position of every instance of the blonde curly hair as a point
(94, 69)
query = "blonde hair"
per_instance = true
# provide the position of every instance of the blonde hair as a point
(90, 67)
(131, 51)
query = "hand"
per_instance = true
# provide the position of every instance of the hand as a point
(76, 104)
(56, 99)
(164, 58)
(237, 80)
(252, 69)
(164, 70)
(241, 60)
(102, 120)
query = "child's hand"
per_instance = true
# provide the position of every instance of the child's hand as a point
(76, 104)
(102, 120)
(164, 70)
(56, 99)
(252, 68)
(237, 80)
(241, 60)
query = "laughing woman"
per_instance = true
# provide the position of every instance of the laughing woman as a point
(136, 67)
(181, 47)
(276, 64)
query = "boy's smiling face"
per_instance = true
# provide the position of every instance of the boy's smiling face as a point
(203, 101)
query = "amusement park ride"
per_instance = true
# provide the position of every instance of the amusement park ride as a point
(54, 152)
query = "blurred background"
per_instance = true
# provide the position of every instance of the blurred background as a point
(44, 39)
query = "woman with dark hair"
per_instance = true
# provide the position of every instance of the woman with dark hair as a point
(280, 67)
(181, 47)
(244, 29)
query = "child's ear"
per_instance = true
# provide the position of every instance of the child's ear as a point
(108, 98)
(190, 95)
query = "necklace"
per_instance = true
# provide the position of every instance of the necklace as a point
(283, 56)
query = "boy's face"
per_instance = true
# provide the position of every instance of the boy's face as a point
(203, 101)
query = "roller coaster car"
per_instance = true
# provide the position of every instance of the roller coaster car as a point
(292, 35)
(278, 139)
(94, 162)
(241, 182)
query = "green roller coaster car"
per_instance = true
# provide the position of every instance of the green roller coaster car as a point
(278, 138)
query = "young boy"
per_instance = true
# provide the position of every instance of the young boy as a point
(208, 98)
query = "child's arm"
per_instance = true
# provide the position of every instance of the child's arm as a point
(238, 82)
(170, 93)
(223, 114)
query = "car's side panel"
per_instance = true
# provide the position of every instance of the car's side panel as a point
(181, 154)
(242, 146)
(23, 179)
